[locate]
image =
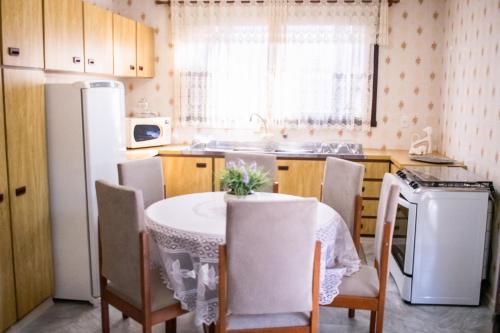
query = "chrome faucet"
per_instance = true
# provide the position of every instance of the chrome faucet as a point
(261, 119)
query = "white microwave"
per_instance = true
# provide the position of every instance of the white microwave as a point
(148, 132)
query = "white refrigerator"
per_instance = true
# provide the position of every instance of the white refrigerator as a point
(85, 140)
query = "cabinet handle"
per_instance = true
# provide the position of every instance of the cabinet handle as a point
(141, 68)
(76, 60)
(363, 189)
(132, 67)
(20, 191)
(91, 61)
(1, 197)
(201, 165)
(14, 51)
(283, 167)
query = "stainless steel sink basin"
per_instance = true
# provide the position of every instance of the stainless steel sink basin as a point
(309, 149)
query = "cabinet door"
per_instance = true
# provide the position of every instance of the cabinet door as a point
(98, 39)
(124, 46)
(22, 33)
(145, 51)
(300, 177)
(184, 175)
(63, 35)
(219, 165)
(28, 187)
(7, 294)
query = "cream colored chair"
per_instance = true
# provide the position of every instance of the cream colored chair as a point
(145, 175)
(269, 269)
(125, 278)
(366, 289)
(341, 190)
(267, 162)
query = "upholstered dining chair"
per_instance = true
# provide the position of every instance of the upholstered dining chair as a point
(126, 281)
(269, 267)
(366, 288)
(341, 190)
(145, 175)
(267, 162)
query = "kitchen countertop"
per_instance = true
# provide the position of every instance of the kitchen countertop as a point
(399, 157)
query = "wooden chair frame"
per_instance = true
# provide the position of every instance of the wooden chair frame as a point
(311, 328)
(374, 304)
(276, 187)
(145, 316)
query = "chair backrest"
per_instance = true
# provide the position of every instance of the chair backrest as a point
(266, 162)
(270, 256)
(145, 175)
(387, 208)
(121, 216)
(342, 182)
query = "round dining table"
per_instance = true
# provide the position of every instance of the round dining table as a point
(187, 230)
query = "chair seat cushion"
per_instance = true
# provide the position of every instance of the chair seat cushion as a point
(238, 322)
(161, 296)
(363, 283)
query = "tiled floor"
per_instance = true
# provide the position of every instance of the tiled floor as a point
(400, 317)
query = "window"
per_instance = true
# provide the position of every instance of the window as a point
(309, 69)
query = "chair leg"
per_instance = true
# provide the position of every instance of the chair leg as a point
(104, 316)
(171, 326)
(373, 319)
(147, 328)
(380, 320)
(351, 313)
(209, 328)
(124, 316)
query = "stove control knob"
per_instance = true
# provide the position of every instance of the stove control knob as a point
(401, 174)
(413, 185)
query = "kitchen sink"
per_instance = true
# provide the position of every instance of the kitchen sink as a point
(290, 149)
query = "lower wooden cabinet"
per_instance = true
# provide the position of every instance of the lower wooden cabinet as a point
(300, 177)
(7, 289)
(28, 187)
(219, 164)
(184, 175)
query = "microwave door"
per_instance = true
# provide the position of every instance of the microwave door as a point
(146, 132)
(404, 243)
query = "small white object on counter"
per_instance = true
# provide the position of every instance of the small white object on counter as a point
(421, 145)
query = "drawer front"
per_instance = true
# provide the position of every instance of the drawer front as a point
(368, 226)
(370, 208)
(375, 170)
(371, 189)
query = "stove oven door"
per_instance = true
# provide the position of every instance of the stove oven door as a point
(403, 243)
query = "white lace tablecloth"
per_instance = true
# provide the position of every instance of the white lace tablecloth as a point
(188, 229)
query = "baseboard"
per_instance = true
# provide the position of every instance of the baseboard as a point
(30, 317)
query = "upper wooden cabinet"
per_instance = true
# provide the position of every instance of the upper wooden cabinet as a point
(145, 51)
(98, 39)
(64, 35)
(22, 33)
(124, 41)
(28, 187)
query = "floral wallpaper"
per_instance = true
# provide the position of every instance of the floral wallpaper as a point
(409, 78)
(470, 92)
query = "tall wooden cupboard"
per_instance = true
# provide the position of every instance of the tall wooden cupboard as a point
(24, 187)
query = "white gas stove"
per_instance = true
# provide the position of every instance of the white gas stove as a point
(439, 258)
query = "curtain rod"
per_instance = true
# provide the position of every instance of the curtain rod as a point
(167, 2)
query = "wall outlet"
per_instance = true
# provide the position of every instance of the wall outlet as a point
(405, 121)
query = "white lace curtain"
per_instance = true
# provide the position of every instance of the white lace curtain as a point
(295, 64)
